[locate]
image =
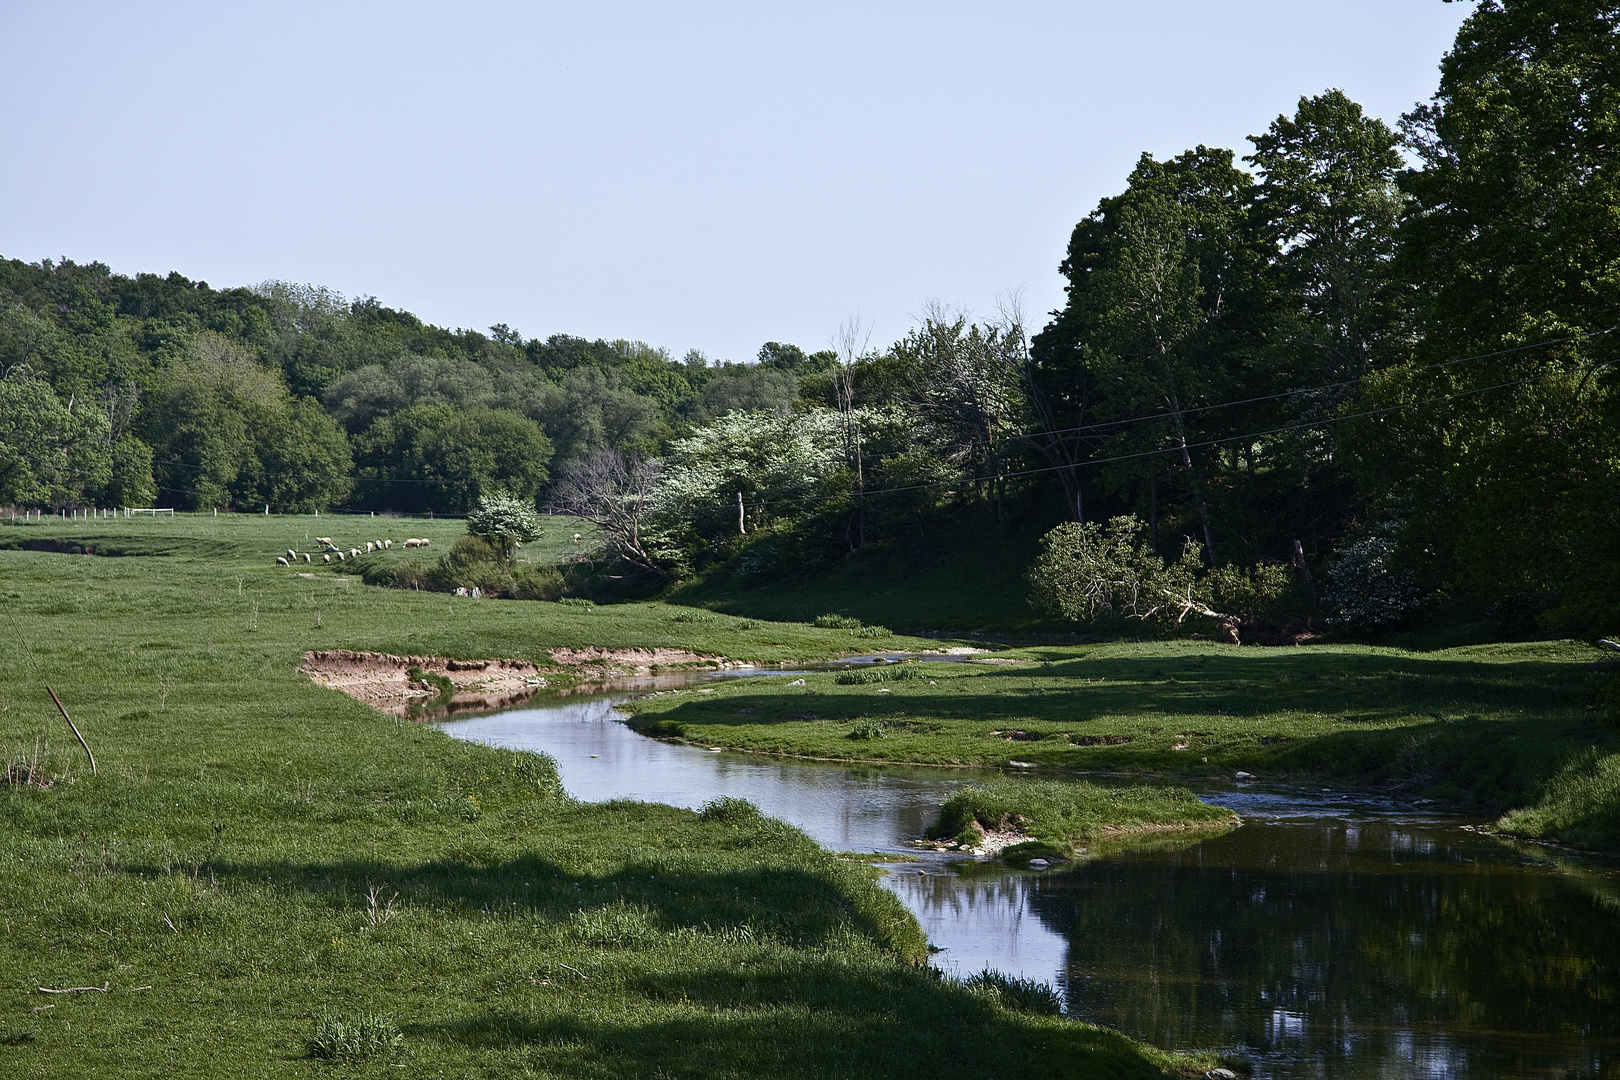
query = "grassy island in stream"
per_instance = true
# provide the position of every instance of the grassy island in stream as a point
(1019, 820)
(1500, 727)
(268, 878)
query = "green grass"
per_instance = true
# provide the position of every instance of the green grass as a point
(1578, 805)
(1498, 727)
(1062, 819)
(274, 880)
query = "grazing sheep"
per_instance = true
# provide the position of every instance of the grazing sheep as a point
(281, 560)
(388, 543)
(325, 542)
(339, 554)
(354, 553)
(291, 554)
(306, 556)
(326, 558)
(425, 542)
(379, 545)
(413, 542)
(369, 548)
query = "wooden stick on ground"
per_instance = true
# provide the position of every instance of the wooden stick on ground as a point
(102, 989)
(76, 734)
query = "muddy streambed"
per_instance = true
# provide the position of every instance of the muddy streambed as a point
(1332, 936)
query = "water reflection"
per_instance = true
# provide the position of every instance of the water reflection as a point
(1332, 936)
(1346, 949)
(843, 808)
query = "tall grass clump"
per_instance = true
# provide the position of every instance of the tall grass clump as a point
(833, 621)
(868, 676)
(355, 1037)
(1580, 806)
(1017, 993)
(729, 809)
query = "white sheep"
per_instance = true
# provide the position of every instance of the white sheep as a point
(354, 553)
(291, 554)
(325, 541)
(425, 542)
(379, 545)
(369, 548)
(388, 543)
(281, 560)
(306, 556)
(326, 558)
(339, 554)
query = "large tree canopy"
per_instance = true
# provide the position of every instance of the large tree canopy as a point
(1500, 446)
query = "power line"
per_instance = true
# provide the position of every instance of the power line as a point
(1302, 426)
(1115, 424)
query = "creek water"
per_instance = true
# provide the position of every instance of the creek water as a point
(1332, 936)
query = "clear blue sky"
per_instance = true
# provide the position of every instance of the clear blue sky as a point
(705, 176)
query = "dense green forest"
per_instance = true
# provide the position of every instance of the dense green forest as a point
(1356, 371)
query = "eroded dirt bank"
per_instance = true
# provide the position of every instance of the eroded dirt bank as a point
(383, 680)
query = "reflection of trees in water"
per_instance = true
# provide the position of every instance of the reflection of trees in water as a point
(1323, 941)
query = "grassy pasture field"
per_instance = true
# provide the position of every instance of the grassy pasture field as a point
(1503, 727)
(267, 878)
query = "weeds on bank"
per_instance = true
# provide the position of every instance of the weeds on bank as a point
(1017, 993)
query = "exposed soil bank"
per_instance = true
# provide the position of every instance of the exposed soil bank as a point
(383, 680)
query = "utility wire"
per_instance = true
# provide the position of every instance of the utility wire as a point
(1109, 424)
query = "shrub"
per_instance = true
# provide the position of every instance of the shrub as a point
(537, 582)
(504, 521)
(359, 1036)
(477, 562)
(1366, 592)
(405, 574)
(837, 622)
(690, 616)
(576, 601)
(874, 632)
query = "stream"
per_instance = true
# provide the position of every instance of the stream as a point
(1332, 936)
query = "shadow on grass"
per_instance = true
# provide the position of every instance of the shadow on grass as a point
(1348, 688)
(1489, 733)
(733, 971)
(818, 1021)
